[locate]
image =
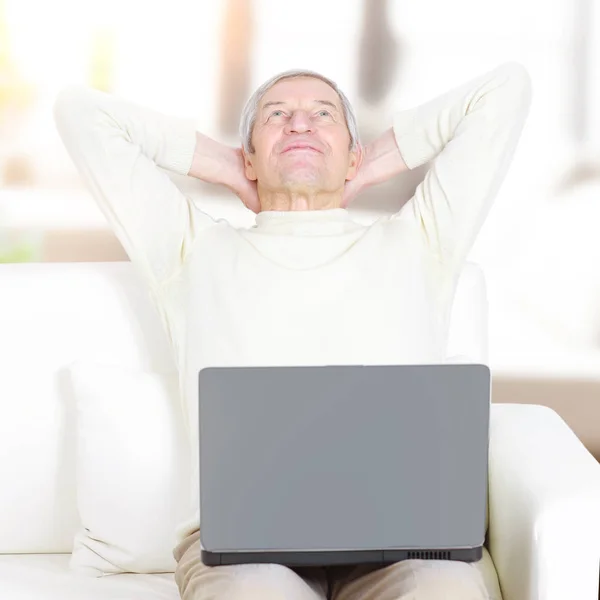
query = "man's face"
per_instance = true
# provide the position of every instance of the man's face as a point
(301, 140)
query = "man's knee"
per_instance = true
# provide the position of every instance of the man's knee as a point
(450, 580)
(268, 582)
(243, 582)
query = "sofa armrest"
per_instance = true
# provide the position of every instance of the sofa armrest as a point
(544, 503)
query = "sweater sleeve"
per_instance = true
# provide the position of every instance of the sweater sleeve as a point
(471, 132)
(119, 149)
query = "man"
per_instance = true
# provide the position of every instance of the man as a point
(306, 285)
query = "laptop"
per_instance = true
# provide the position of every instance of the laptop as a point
(345, 464)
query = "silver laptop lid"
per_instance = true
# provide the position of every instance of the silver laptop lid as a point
(343, 457)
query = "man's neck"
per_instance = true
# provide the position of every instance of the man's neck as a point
(286, 200)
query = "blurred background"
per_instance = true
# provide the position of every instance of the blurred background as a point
(540, 246)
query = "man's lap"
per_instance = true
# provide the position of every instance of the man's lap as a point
(417, 580)
(405, 580)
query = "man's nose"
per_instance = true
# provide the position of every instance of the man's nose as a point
(299, 122)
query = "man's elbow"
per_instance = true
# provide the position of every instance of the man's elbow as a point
(518, 83)
(71, 108)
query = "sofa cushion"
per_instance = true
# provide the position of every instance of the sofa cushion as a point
(133, 472)
(48, 577)
(52, 314)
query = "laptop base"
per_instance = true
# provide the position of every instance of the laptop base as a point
(346, 557)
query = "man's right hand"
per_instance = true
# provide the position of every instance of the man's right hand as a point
(224, 165)
(245, 189)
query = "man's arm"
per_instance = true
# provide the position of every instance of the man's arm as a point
(471, 132)
(118, 147)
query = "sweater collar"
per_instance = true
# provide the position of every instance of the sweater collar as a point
(274, 218)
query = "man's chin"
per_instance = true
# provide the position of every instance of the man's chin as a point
(302, 180)
(302, 188)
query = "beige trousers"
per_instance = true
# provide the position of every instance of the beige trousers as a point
(405, 580)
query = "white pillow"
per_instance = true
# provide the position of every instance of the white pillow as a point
(133, 469)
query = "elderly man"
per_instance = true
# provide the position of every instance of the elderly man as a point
(306, 285)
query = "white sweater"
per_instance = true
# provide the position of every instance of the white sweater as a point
(299, 287)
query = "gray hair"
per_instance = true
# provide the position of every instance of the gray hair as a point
(248, 118)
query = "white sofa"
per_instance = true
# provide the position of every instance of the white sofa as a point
(544, 531)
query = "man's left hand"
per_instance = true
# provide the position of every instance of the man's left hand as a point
(381, 160)
(358, 183)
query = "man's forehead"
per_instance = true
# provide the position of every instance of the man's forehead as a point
(301, 90)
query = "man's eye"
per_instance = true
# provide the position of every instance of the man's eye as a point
(325, 111)
(274, 113)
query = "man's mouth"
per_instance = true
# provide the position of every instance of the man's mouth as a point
(300, 148)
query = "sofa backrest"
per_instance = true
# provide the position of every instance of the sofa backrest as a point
(52, 314)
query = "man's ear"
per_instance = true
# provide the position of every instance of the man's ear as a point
(248, 166)
(356, 158)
